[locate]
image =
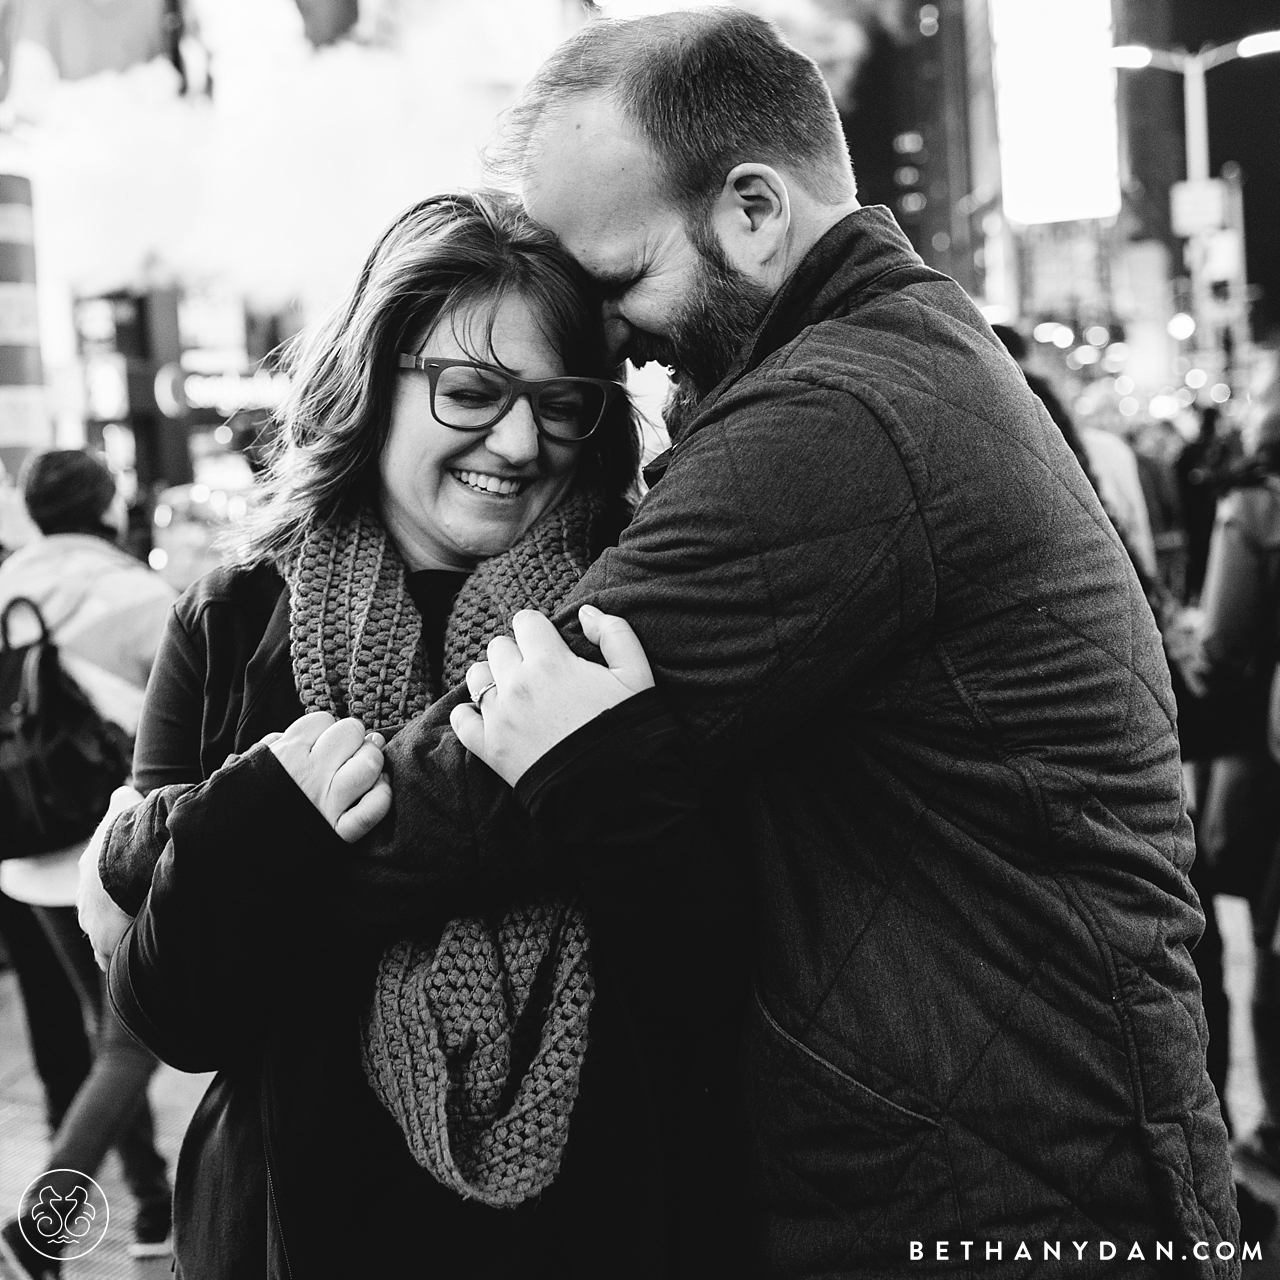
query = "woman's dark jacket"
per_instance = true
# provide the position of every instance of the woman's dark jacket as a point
(239, 962)
(929, 700)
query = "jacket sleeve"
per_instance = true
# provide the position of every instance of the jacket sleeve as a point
(620, 800)
(224, 916)
(166, 754)
(617, 797)
(779, 560)
(133, 846)
(670, 932)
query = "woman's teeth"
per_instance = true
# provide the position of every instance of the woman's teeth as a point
(498, 485)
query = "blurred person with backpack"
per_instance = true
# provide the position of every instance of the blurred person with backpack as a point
(105, 612)
(55, 1029)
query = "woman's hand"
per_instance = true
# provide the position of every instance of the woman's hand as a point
(535, 691)
(338, 766)
(99, 917)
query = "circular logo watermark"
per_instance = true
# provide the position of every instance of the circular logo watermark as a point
(63, 1214)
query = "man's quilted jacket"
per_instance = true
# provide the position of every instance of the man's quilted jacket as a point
(933, 717)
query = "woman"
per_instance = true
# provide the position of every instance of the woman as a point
(452, 451)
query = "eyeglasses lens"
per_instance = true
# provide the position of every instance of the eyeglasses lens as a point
(569, 410)
(468, 397)
(472, 398)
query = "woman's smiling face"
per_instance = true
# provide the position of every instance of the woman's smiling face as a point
(453, 498)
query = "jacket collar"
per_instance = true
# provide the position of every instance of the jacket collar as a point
(839, 273)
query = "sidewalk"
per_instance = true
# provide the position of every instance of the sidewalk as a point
(23, 1145)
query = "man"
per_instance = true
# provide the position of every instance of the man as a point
(919, 682)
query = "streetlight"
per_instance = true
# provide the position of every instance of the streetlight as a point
(1193, 67)
(1206, 205)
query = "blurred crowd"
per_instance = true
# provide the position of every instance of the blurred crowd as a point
(1200, 519)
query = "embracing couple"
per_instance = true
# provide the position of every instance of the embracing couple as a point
(750, 878)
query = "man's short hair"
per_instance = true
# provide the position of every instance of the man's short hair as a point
(707, 89)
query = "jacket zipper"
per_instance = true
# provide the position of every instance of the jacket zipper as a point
(271, 1186)
(275, 1213)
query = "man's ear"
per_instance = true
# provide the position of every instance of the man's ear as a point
(751, 217)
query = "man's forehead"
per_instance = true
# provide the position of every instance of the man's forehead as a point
(594, 183)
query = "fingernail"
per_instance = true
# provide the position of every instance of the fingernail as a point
(588, 608)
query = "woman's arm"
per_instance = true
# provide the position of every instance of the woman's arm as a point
(225, 916)
(224, 920)
(166, 754)
(117, 864)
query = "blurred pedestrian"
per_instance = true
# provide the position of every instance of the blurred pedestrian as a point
(1241, 815)
(1115, 468)
(106, 612)
(55, 1022)
(1164, 510)
(1201, 469)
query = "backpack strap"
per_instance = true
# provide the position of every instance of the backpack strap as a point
(46, 636)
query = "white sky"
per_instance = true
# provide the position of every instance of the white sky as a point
(276, 188)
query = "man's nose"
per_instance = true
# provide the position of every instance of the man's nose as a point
(617, 331)
(514, 437)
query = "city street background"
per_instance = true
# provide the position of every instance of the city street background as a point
(186, 184)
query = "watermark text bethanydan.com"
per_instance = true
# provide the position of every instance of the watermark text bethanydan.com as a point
(994, 1251)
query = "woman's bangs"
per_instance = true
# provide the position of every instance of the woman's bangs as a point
(561, 313)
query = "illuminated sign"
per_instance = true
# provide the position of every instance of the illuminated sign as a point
(106, 380)
(1056, 109)
(178, 391)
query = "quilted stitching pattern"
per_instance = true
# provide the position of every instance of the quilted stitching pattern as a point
(978, 907)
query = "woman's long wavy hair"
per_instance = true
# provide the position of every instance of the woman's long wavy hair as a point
(445, 253)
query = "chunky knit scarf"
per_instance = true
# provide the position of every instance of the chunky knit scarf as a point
(474, 1044)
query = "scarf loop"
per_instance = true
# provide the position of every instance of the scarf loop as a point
(475, 1043)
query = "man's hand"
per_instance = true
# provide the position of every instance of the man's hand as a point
(339, 769)
(100, 918)
(535, 691)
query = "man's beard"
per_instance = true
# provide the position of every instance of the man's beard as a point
(708, 333)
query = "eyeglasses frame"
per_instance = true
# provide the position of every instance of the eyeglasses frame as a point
(432, 366)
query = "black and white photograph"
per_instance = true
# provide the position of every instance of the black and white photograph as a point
(639, 639)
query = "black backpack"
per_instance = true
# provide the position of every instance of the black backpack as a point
(59, 759)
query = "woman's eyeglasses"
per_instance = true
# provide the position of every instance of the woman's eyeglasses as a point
(469, 396)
